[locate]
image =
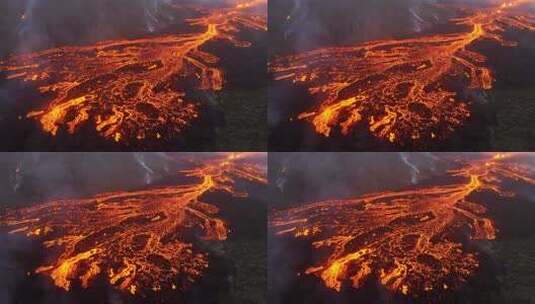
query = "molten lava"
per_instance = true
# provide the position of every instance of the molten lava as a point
(138, 240)
(133, 89)
(401, 90)
(413, 241)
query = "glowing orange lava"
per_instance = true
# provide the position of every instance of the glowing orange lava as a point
(412, 241)
(133, 89)
(400, 90)
(136, 240)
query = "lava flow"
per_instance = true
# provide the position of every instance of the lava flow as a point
(133, 89)
(402, 90)
(137, 241)
(412, 241)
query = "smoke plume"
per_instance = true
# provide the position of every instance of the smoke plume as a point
(44, 24)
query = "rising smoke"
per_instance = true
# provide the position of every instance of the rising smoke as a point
(306, 24)
(302, 177)
(39, 24)
(34, 177)
(413, 168)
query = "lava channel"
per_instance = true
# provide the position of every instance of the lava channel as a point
(401, 90)
(412, 241)
(139, 241)
(132, 90)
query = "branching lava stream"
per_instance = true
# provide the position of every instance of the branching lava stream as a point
(133, 89)
(412, 241)
(401, 90)
(139, 240)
